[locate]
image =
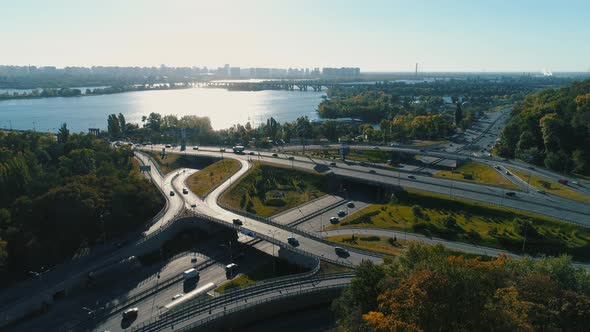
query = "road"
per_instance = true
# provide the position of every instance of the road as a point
(567, 210)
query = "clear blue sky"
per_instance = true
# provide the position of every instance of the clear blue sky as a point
(388, 35)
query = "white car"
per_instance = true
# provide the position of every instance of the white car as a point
(179, 295)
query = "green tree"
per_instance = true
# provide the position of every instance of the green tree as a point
(63, 133)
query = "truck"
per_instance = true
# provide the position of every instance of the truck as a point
(190, 274)
(563, 181)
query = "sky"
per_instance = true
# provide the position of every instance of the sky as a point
(375, 35)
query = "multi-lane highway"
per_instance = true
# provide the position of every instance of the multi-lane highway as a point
(548, 205)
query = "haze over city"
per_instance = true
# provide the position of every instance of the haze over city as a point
(375, 35)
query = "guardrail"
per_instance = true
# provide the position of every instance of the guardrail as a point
(259, 302)
(197, 307)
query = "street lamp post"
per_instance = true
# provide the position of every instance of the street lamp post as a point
(273, 233)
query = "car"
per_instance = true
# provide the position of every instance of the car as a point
(422, 150)
(511, 194)
(333, 164)
(194, 260)
(291, 158)
(231, 267)
(450, 144)
(195, 147)
(193, 206)
(411, 177)
(508, 173)
(341, 252)
(168, 146)
(375, 148)
(341, 213)
(251, 153)
(372, 171)
(334, 220)
(222, 150)
(184, 191)
(497, 167)
(350, 204)
(237, 221)
(293, 241)
(531, 167)
(541, 191)
(179, 295)
(171, 192)
(275, 155)
(129, 313)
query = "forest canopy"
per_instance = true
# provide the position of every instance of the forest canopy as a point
(61, 195)
(551, 128)
(429, 288)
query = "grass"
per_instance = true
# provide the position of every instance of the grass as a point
(551, 186)
(477, 172)
(135, 164)
(428, 143)
(477, 223)
(360, 155)
(208, 178)
(331, 268)
(167, 163)
(268, 190)
(172, 161)
(263, 272)
(380, 244)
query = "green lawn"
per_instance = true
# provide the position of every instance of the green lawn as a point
(477, 172)
(360, 155)
(209, 177)
(471, 222)
(551, 186)
(167, 163)
(268, 190)
(380, 244)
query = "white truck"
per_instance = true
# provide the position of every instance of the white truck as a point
(190, 274)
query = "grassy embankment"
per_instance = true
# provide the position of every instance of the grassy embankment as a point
(263, 272)
(209, 177)
(360, 155)
(172, 161)
(550, 186)
(477, 172)
(268, 190)
(476, 223)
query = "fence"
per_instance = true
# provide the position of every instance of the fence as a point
(235, 297)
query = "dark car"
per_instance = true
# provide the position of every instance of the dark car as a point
(341, 252)
(291, 158)
(237, 221)
(275, 155)
(333, 164)
(511, 194)
(411, 177)
(372, 171)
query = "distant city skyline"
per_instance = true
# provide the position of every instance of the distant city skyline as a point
(375, 35)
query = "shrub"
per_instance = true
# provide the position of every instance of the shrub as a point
(278, 202)
(493, 231)
(370, 238)
(417, 211)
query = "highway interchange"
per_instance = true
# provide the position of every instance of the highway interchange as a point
(315, 214)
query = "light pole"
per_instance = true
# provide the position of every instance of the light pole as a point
(273, 233)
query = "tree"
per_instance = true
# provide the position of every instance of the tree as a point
(154, 121)
(63, 133)
(458, 114)
(114, 126)
(122, 123)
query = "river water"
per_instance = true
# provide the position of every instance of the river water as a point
(224, 108)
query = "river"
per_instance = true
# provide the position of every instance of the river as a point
(224, 108)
